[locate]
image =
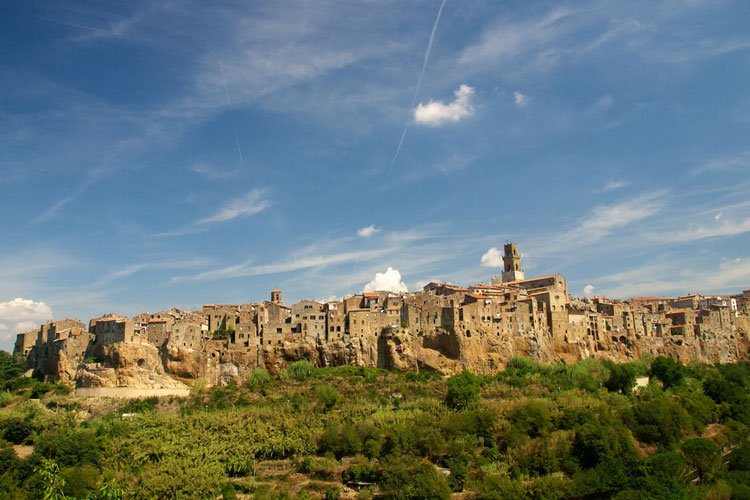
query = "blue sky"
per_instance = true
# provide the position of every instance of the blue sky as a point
(170, 153)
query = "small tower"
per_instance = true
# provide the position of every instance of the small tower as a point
(512, 264)
(276, 296)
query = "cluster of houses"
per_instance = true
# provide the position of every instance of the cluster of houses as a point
(509, 305)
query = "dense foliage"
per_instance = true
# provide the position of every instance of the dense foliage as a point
(535, 431)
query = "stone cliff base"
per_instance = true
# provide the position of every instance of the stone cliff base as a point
(130, 392)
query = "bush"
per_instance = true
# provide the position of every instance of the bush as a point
(8, 458)
(221, 334)
(463, 391)
(80, 482)
(258, 379)
(140, 405)
(406, 477)
(16, 430)
(300, 370)
(69, 448)
(328, 396)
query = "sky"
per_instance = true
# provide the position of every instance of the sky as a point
(174, 153)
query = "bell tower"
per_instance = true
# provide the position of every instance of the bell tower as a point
(512, 264)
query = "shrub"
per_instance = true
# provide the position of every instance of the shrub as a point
(300, 370)
(8, 458)
(328, 396)
(69, 448)
(80, 482)
(258, 379)
(407, 477)
(16, 430)
(140, 405)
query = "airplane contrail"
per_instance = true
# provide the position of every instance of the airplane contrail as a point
(224, 82)
(229, 105)
(416, 91)
(413, 103)
(239, 149)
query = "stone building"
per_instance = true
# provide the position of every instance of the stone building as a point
(308, 319)
(112, 328)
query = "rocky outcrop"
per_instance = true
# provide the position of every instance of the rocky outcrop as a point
(126, 365)
(143, 366)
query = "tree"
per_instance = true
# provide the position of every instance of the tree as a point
(621, 378)
(463, 390)
(53, 482)
(669, 371)
(702, 455)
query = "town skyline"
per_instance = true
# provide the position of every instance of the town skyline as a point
(173, 154)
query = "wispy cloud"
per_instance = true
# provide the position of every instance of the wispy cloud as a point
(605, 219)
(212, 172)
(738, 162)
(614, 185)
(601, 105)
(436, 113)
(368, 231)
(718, 230)
(676, 276)
(249, 204)
(568, 31)
(294, 263)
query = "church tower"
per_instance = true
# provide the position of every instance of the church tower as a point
(512, 264)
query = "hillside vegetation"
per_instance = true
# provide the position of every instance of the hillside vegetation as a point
(534, 431)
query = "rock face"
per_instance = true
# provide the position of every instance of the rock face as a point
(126, 365)
(143, 366)
(442, 351)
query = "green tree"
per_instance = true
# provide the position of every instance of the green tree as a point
(54, 484)
(704, 456)
(463, 390)
(621, 378)
(670, 372)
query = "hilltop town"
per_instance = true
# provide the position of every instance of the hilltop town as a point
(443, 327)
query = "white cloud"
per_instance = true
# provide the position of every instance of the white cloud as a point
(389, 281)
(492, 258)
(588, 290)
(614, 185)
(19, 315)
(726, 228)
(520, 99)
(252, 203)
(368, 231)
(605, 219)
(436, 113)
